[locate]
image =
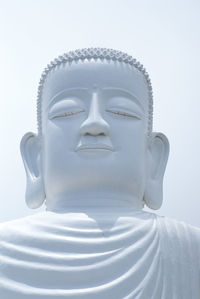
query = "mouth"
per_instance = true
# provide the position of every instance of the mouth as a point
(94, 147)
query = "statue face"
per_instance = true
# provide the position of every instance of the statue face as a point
(94, 118)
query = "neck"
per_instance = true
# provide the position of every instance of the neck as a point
(90, 202)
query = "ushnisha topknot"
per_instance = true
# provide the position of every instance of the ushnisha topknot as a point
(93, 53)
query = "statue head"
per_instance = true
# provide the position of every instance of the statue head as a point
(95, 144)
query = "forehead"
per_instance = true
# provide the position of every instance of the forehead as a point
(96, 74)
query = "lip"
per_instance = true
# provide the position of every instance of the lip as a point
(94, 147)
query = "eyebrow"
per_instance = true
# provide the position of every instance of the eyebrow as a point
(58, 97)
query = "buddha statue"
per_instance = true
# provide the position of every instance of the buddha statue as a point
(95, 163)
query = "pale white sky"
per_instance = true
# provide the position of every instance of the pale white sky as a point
(163, 35)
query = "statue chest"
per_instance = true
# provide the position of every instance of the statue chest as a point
(90, 258)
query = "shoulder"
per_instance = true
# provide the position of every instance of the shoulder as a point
(174, 228)
(179, 239)
(11, 230)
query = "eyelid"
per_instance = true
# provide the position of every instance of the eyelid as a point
(67, 102)
(67, 95)
(65, 113)
(124, 112)
(125, 101)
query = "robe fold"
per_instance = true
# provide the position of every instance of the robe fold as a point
(128, 255)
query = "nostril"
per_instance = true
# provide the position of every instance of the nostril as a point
(95, 127)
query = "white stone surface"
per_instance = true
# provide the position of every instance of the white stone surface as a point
(124, 254)
(95, 166)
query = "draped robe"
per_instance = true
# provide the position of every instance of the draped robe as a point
(115, 255)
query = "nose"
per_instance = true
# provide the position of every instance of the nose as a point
(94, 124)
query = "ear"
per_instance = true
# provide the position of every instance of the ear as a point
(30, 148)
(158, 152)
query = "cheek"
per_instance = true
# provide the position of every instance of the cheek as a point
(132, 148)
(130, 136)
(59, 143)
(62, 133)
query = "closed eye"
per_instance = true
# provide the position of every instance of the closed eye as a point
(65, 114)
(123, 113)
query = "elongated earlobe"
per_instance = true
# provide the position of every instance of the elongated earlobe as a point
(30, 148)
(158, 152)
